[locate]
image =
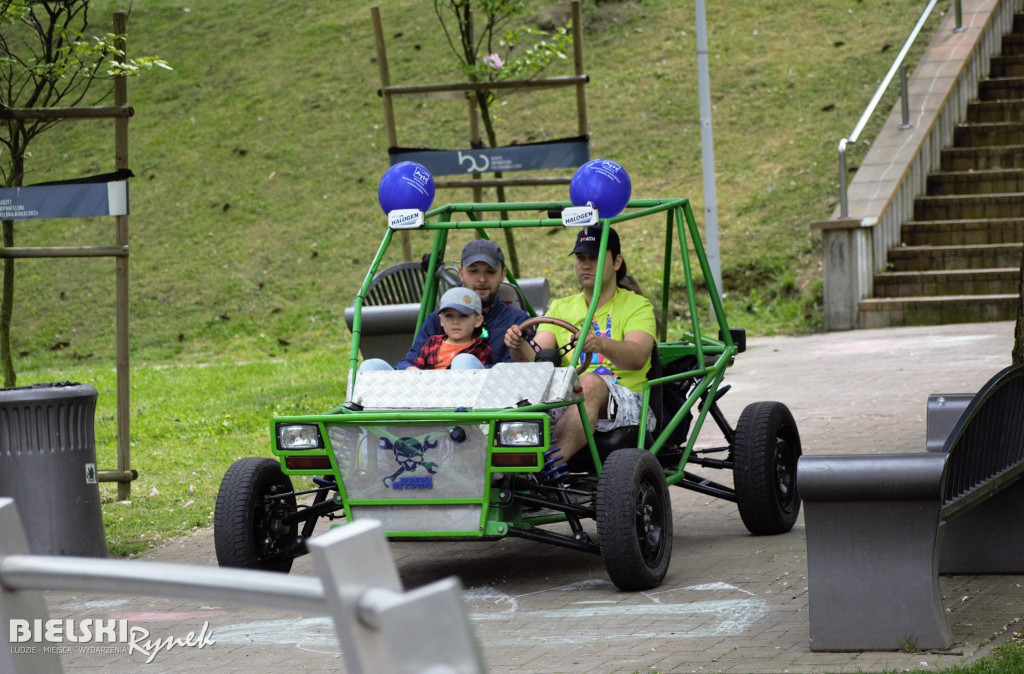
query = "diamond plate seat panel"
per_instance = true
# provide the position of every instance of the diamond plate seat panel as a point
(500, 387)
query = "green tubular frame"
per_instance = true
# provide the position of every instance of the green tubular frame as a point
(712, 355)
(489, 525)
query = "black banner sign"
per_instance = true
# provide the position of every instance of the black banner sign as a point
(565, 153)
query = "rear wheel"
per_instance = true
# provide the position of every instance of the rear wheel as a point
(634, 519)
(765, 455)
(247, 529)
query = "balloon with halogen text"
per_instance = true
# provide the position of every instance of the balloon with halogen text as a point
(602, 183)
(406, 185)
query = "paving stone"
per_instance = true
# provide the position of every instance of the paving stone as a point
(731, 602)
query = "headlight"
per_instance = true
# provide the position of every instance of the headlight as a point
(299, 436)
(520, 434)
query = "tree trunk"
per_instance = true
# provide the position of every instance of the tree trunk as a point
(7, 309)
(7, 291)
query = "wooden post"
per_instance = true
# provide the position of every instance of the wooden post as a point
(474, 140)
(389, 108)
(120, 112)
(577, 52)
(477, 182)
(124, 487)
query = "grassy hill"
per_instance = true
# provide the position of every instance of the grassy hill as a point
(254, 208)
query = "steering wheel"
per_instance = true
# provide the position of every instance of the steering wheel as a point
(586, 359)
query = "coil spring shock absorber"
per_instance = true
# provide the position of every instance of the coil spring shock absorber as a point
(552, 470)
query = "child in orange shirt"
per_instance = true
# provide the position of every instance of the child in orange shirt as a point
(461, 315)
(460, 347)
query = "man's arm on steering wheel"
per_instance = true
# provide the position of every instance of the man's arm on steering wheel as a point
(521, 351)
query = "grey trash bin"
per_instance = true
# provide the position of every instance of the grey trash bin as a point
(48, 466)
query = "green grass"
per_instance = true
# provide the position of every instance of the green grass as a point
(1007, 658)
(189, 423)
(254, 210)
(254, 207)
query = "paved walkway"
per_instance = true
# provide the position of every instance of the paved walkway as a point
(731, 602)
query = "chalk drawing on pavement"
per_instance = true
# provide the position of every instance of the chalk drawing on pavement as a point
(486, 604)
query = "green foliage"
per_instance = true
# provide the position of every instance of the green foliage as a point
(540, 53)
(189, 424)
(1007, 658)
(254, 214)
(512, 54)
(488, 50)
(135, 66)
(47, 59)
(48, 56)
(254, 211)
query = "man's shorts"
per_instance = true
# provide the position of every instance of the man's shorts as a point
(626, 406)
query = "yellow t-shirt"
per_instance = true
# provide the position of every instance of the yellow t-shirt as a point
(624, 313)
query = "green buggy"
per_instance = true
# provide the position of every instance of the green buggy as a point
(465, 454)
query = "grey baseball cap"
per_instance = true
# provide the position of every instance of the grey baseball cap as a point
(483, 250)
(463, 300)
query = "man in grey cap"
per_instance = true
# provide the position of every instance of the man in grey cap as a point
(482, 271)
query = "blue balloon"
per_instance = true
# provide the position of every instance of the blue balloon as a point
(604, 184)
(406, 185)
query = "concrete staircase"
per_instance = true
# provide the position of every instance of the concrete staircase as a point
(961, 254)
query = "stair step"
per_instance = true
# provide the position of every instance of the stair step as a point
(933, 258)
(986, 134)
(996, 111)
(947, 282)
(961, 255)
(989, 181)
(1001, 88)
(1013, 44)
(982, 158)
(1007, 65)
(963, 232)
(959, 207)
(891, 312)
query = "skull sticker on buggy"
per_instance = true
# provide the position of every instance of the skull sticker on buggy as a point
(411, 462)
(409, 455)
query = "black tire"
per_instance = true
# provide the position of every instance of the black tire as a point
(765, 454)
(634, 519)
(247, 533)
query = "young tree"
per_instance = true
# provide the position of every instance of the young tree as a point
(488, 49)
(50, 56)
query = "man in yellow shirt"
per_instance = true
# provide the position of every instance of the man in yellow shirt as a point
(622, 336)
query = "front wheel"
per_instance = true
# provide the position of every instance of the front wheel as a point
(247, 529)
(765, 454)
(634, 519)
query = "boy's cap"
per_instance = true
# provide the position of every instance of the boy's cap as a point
(588, 241)
(483, 250)
(463, 300)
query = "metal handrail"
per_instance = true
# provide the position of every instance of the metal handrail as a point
(844, 206)
(359, 588)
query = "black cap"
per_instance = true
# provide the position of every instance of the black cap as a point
(483, 250)
(588, 241)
